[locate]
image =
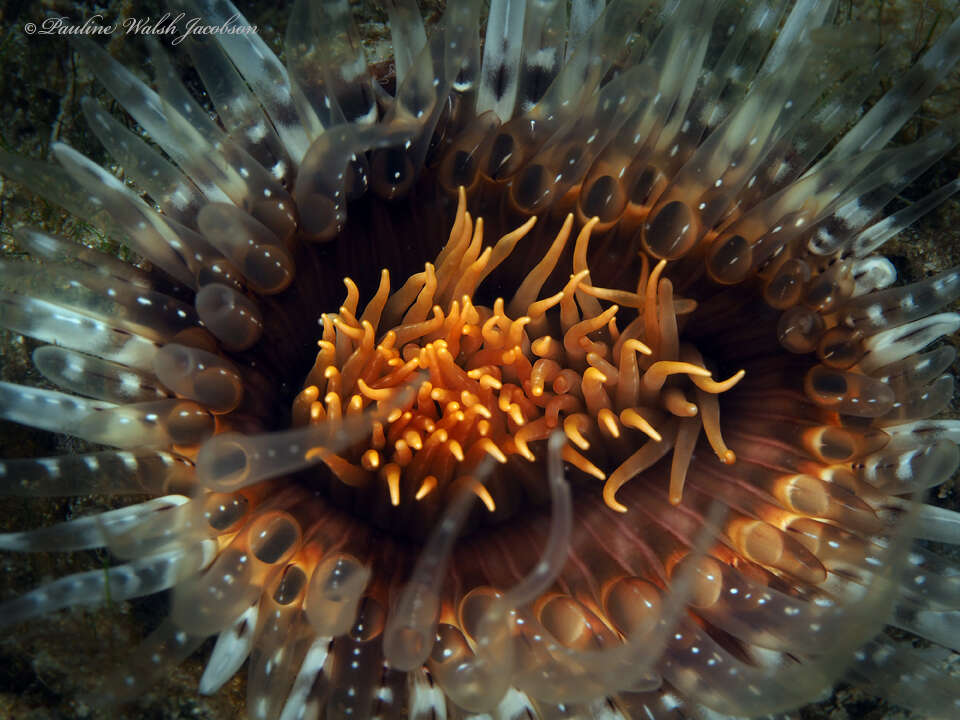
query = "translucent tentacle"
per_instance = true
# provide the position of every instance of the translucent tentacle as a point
(173, 191)
(60, 250)
(884, 119)
(199, 375)
(907, 677)
(231, 651)
(208, 603)
(482, 681)
(563, 674)
(96, 378)
(935, 523)
(543, 44)
(583, 14)
(897, 343)
(266, 76)
(307, 695)
(501, 57)
(87, 191)
(158, 424)
(142, 577)
(45, 409)
(252, 247)
(230, 461)
(805, 16)
(111, 473)
(88, 532)
(165, 647)
(408, 637)
(231, 316)
(324, 35)
(407, 35)
(873, 237)
(939, 626)
(239, 110)
(56, 324)
(275, 659)
(147, 313)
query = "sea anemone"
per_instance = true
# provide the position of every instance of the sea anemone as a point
(556, 375)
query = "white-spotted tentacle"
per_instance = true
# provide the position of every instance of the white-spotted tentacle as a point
(231, 650)
(239, 110)
(544, 31)
(89, 532)
(503, 43)
(407, 34)
(883, 120)
(265, 75)
(106, 203)
(873, 237)
(146, 576)
(275, 660)
(411, 628)
(775, 688)
(481, 681)
(648, 622)
(145, 313)
(108, 472)
(96, 378)
(173, 191)
(46, 409)
(60, 250)
(909, 677)
(325, 34)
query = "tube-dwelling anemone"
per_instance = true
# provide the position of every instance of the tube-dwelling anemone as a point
(554, 375)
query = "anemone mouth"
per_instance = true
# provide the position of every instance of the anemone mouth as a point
(550, 396)
(665, 402)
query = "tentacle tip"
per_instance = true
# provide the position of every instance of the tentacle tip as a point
(611, 501)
